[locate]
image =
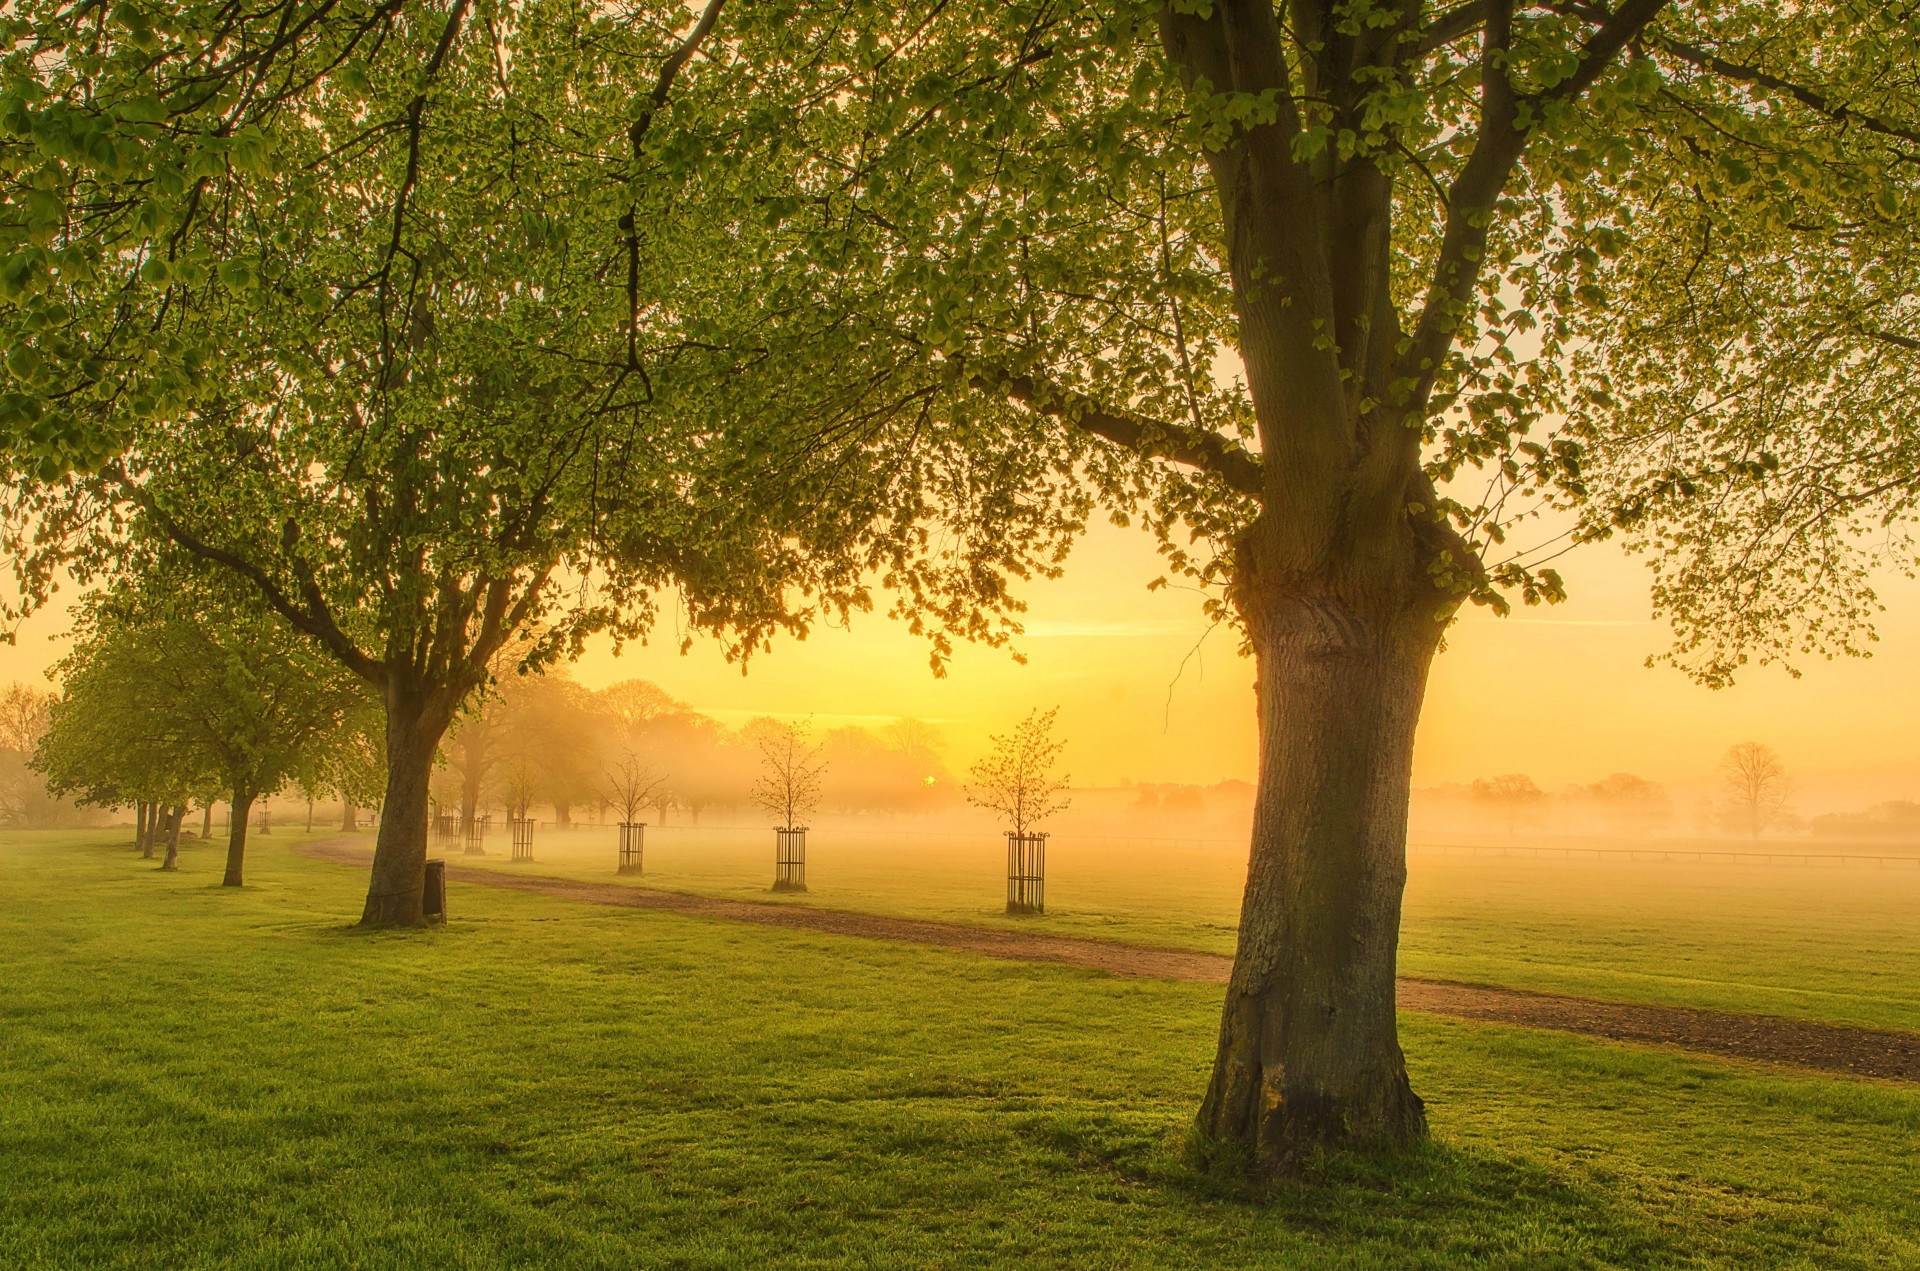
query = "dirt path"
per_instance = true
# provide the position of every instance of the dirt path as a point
(1860, 1052)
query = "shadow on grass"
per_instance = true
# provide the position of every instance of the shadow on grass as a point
(1432, 1204)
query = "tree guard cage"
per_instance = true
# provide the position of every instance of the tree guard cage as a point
(522, 831)
(790, 859)
(633, 841)
(476, 837)
(1026, 873)
(446, 830)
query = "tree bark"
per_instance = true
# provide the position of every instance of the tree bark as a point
(414, 728)
(206, 820)
(174, 816)
(143, 813)
(1309, 1050)
(349, 819)
(237, 837)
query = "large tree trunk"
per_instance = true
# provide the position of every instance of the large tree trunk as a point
(349, 818)
(1309, 1050)
(237, 836)
(206, 820)
(414, 728)
(172, 820)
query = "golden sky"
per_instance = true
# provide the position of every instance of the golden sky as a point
(1146, 693)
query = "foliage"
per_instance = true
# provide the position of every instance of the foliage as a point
(1016, 778)
(791, 768)
(185, 685)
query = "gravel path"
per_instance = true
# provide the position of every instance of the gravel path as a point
(1860, 1052)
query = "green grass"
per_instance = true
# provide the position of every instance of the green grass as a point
(1830, 942)
(196, 1077)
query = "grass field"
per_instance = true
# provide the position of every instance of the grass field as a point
(1829, 941)
(191, 1076)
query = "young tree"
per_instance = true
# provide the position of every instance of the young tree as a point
(632, 783)
(791, 769)
(1016, 778)
(1757, 786)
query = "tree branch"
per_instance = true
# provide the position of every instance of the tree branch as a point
(1210, 452)
(317, 622)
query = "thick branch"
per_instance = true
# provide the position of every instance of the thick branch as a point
(1474, 194)
(1208, 451)
(317, 621)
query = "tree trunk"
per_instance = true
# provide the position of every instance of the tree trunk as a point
(562, 815)
(309, 816)
(1309, 1049)
(143, 828)
(174, 816)
(400, 849)
(237, 836)
(206, 820)
(349, 820)
(469, 792)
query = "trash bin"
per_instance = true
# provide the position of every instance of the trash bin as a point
(433, 898)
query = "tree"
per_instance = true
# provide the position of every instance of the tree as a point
(118, 735)
(239, 699)
(403, 325)
(1016, 778)
(1627, 802)
(1032, 233)
(25, 801)
(1757, 786)
(632, 784)
(791, 769)
(1512, 797)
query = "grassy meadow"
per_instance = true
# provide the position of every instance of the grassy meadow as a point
(1822, 941)
(191, 1076)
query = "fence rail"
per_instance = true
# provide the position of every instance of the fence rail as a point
(1653, 854)
(1646, 853)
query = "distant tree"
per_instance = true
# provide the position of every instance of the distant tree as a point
(633, 783)
(703, 765)
(1757, 787)
(791, 769)
(1513, 797)
(1016, 778)
(1626, 802)
(25, 801)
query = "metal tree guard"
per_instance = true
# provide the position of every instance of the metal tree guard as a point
(633, 841)
(790, 859)
(476, 836)
(522, 831)
(1026, 873)
(446, 829)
